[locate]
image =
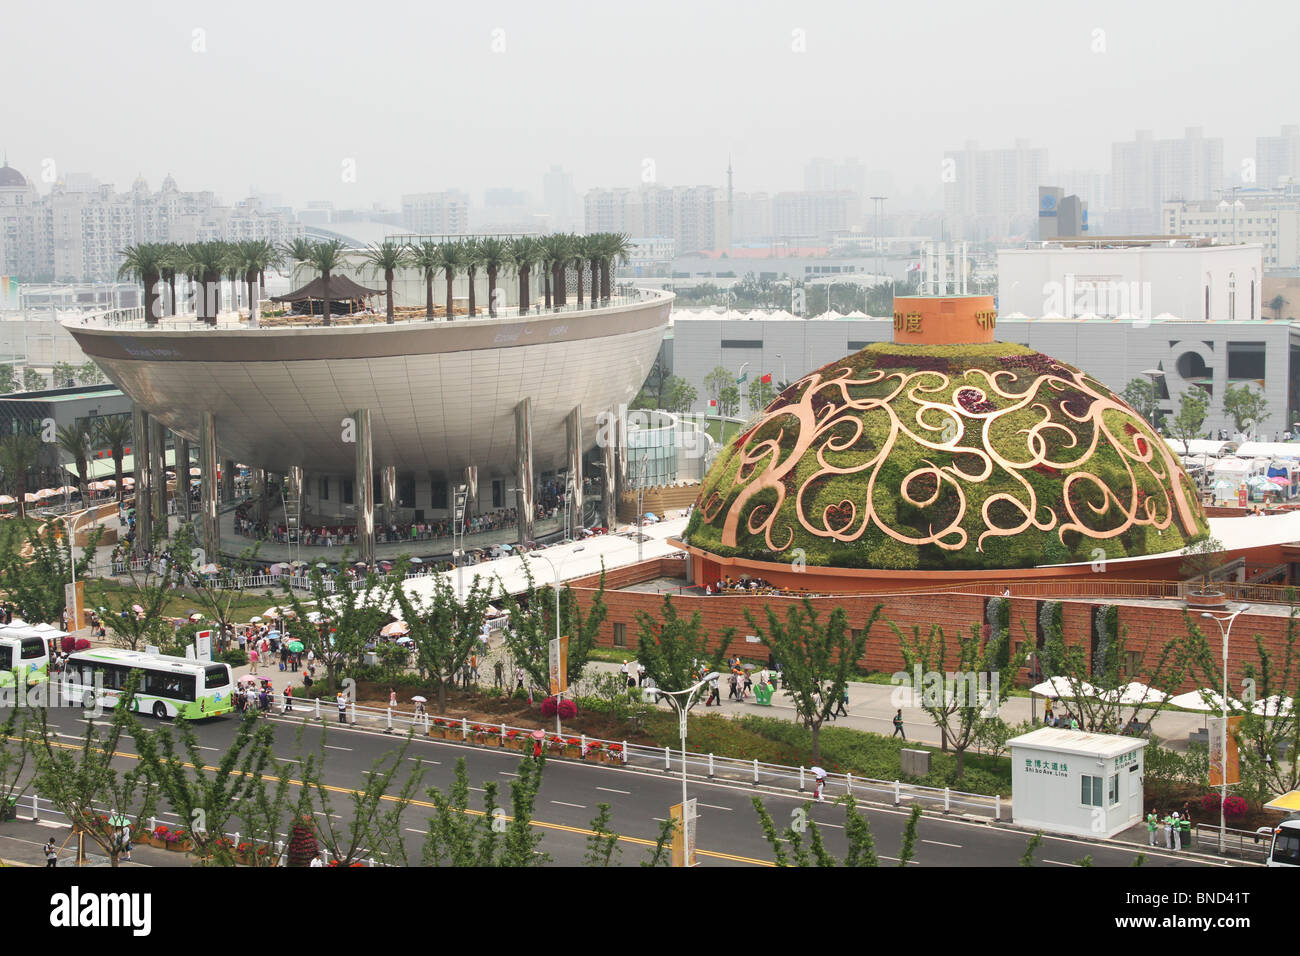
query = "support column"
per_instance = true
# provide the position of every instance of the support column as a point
(607, 431)
(158, 463)
(388, 477)
(228, 480)
(143, 486)
(573, 448)
(296, 478)
(620, 462)
(208, 484)
(259, 492)
(525, 504)
(364, 495)
(182, 477)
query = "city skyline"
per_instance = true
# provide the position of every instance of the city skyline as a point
(631, 107)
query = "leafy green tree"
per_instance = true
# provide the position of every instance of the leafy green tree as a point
(427, 260)
(14, 751)
(83, 783)
(817, 658)
(218, 600)
(1193, 406)
(761, 394)
(532, 628)
(716, 382)
(729, 401)
(64, 374)
(325, 258)
(907, 851)
(661, 854)
(1277, 304)
(1246, 406)
(342, 623)
(444, 632)
(679, 395)
(8, 379)
(33, 381)
(206, 800)
(461, 836)
(602, 844)
(149, 591)
(36, 582)
(144, 262)
(114, 432)
(373, 830)
(788, 846)
(1202, 558)
(1141, 396)
(675, 651)
(1265, 686)
(963, 685)
(1035, 841)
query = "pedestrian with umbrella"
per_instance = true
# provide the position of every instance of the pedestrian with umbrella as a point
(820, 776)
(538, 737)
(419, 705)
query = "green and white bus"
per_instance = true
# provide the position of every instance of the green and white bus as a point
(170, 685)
(24, 654)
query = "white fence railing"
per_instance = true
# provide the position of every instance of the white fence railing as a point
(253, 582)
(667, 759)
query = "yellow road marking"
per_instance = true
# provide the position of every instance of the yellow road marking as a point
(541, 824)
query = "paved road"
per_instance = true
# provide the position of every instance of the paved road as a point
(728, 832)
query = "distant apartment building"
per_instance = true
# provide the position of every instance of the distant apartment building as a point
(694, 217)
(436, 214)
(1277, 158)
(1147, 172)
(751, 217)
(992, 193)
(815, 215)
(1269, 217)
(560, 200)
(1060, 215)
(78, 230)
(823, 175)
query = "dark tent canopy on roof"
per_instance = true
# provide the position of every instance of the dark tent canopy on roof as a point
(341, 289)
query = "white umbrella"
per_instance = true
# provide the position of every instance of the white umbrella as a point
(396, 628)
(208, 568)
(272, 612)
(404, 640)
(1203, 699)
(1134, 692)
(195, 471)
(1275, 706)
(255, 620)
(420, 700)
(417, 561)
(314, 617)
(818, 772)
(1062, 687)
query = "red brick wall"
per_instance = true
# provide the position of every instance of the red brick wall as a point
(1149, 626)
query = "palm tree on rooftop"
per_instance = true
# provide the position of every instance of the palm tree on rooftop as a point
(114, 432)
(616, 248)
(75, 440)
(17, 457)
(471, 260)
(144, 261)
(578, 249)
(325, 258)
(172, 263)
(450, 261)
(206, 262)
(298, 252)
(558, 248)
(593, 244)
(428, 260)
(267, 255)
(523, 253)
(387, 257)
(494, 255)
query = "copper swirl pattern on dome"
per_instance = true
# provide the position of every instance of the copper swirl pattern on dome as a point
(825, 413)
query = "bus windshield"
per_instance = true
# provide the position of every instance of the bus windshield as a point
(1286, 847)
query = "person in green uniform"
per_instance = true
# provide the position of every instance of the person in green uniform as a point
(1184, 831)
(1169, 831)
(1153, 820)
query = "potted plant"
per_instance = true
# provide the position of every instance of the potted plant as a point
(158, 837)
(1200, 561)
(595, 751)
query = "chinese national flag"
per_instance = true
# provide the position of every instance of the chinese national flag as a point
(713, 402)
(766, 379)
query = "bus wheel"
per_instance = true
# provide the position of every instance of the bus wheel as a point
(160, 710)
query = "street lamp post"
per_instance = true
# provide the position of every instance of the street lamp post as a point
(1225, 633)
(555, 571)
(682, 710)
(784, 380)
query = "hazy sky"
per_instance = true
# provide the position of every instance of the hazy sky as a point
(429, 96)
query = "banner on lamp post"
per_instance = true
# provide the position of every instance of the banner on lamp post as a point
(74, 596)
(1223, 740)
(683, 833)
(558, 665)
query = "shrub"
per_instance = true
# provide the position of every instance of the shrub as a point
(82, 644)
(234, 657)
(68, 644)
(1233, 807)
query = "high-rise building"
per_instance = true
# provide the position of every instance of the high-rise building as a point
(1060, 215)
(1146, 173)
(1277, 158)
(992, 193)
(77, 231)
(814, 215)
(560, 199)
(436, 214)
(694, 217)
(823, 175)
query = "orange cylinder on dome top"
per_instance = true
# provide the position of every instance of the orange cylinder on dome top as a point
(944, 319)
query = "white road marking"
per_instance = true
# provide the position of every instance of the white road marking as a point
(955, 846)
(1059, 863)
(52, 825)
(422, 760)
(626, 793)
(563, 804)
(894, 858)
(507, 773)
(713, 806)
(332, 747)
(215, 750)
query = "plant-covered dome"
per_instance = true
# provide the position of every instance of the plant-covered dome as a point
(956, 457)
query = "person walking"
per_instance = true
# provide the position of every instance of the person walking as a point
(288, 698)
(519, 678)
(51, 853)
(839, 706)
(1153, 821)
(714, 697)
(898, 724)
(819, 776)
(392, 698)
(343, 707)
(252, 660)
(499, 676)
(1047, 713)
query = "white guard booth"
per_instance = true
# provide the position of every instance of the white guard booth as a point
(1071, 781)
